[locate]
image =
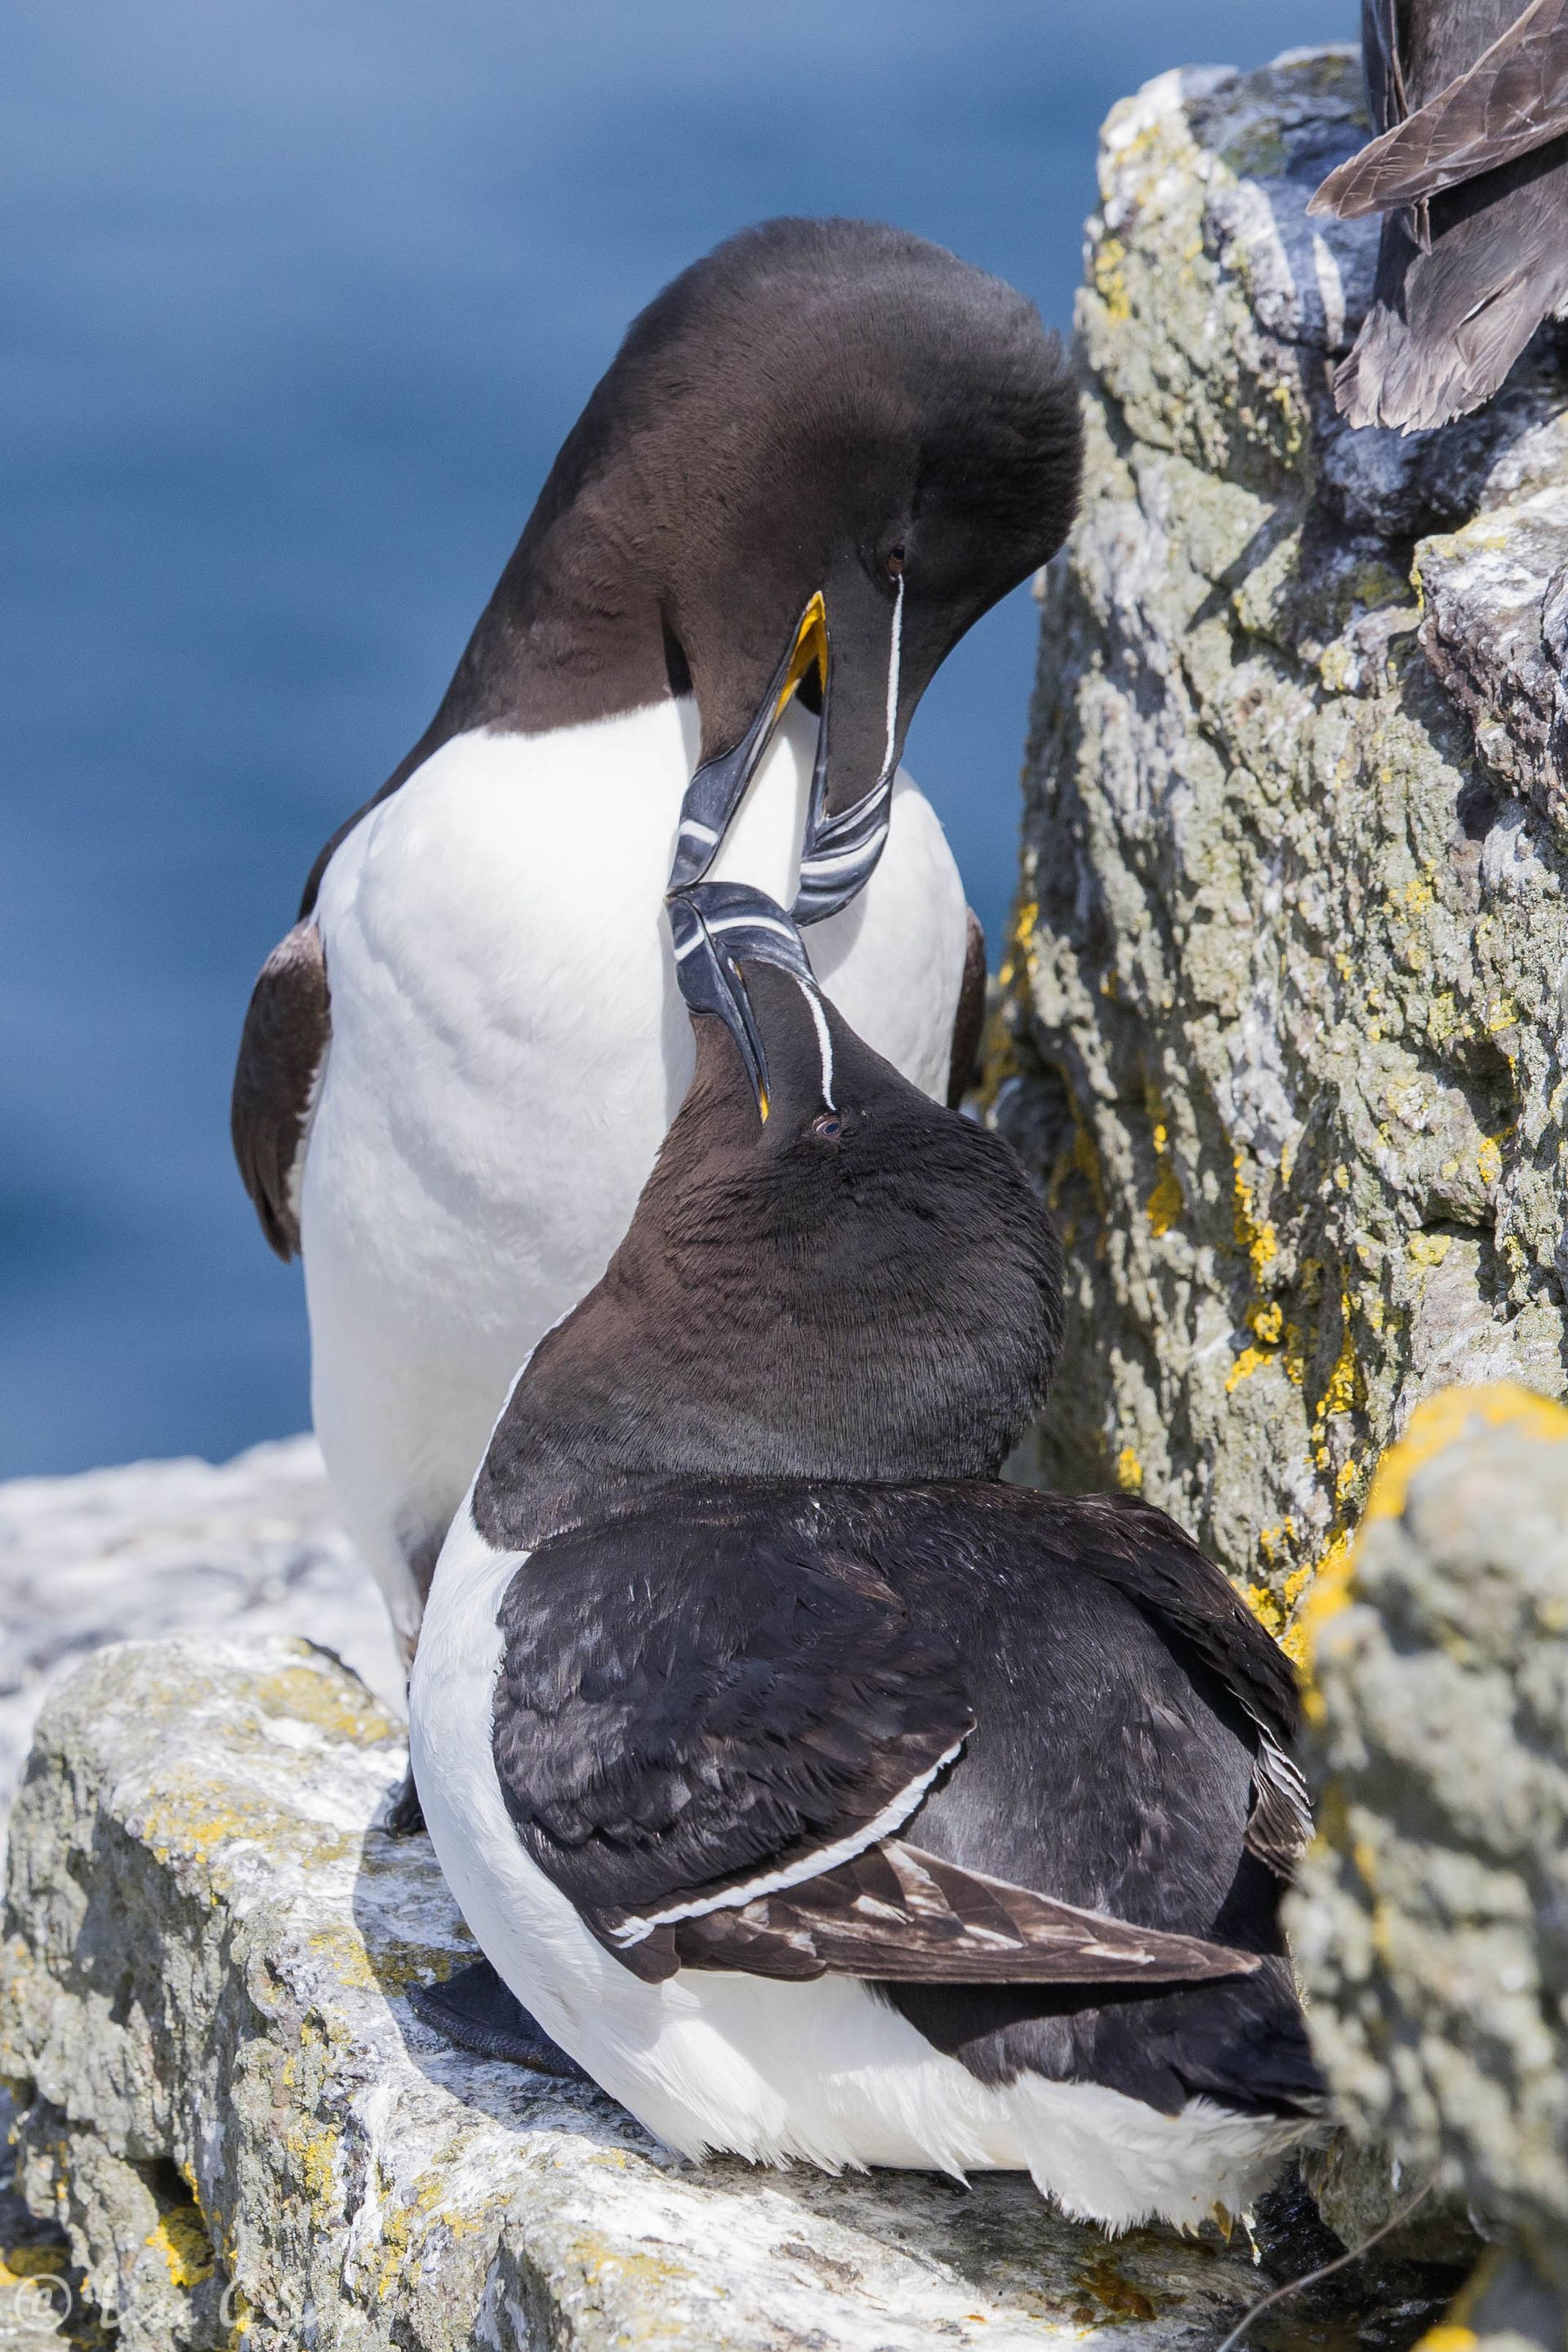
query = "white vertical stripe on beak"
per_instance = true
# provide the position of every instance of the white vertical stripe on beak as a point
(823, 1044)
(893, 678)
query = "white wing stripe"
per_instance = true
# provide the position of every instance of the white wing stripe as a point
(812, 1865)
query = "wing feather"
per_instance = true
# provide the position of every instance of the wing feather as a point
(904, 1916)
(1512, 100)
(287, 1029)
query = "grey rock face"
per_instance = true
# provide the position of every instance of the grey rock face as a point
(1430, 1921)
(243, 2127)
(1286, 997)
(159, 1548)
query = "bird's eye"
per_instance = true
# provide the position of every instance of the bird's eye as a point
(827, 1125)
(893, 563)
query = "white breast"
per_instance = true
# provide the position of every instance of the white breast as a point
(508, 1047)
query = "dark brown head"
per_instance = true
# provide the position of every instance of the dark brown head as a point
(859, 1285)
(819, 456)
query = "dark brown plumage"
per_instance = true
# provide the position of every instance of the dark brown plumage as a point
(286, 1025)
(1469, 168)
(790, 1685)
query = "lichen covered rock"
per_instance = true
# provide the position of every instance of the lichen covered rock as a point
(250, 1545)
(1430, 1921)
(251, 2140)
(1285, 996)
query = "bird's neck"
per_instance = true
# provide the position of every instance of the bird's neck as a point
(574, 631)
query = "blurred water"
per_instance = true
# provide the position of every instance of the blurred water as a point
(298, 302)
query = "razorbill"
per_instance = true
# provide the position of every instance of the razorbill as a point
(1470, 169)
(819, 456)
(820, 1795)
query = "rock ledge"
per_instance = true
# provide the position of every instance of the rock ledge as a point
(250, 2138)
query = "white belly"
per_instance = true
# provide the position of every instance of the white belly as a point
(709, 2061)
(508, 1047)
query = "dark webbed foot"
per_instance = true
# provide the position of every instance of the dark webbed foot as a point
(404, 1816)
(475, 2010)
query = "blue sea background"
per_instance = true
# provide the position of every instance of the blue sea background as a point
(296, 304)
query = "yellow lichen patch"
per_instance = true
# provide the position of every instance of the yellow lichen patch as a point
(1256, 1237)
(344, 1946)
(185, 2245)
(1164, 1205)
(311, 1697)
(1109, 282)
(314, 2157)
(1251, 1359)
(395, 2239)
(1445, 1418)
(1429, 1249)
(1433, 1427)
(1274, 1542)
(1267, 1319)
(1128, 1472)
(1344, 1390)
(1264, 1606)
(1329, 1593)
(191, 1819)
(1488, 1160)
(30, 2262)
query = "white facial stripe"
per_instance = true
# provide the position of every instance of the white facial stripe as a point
(699, 832)
(893, 678)
(823, 1044)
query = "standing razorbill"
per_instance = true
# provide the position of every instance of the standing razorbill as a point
(819, 456)
(1469, 100)
(819, 1794)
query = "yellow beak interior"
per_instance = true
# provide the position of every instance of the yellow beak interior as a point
(810, 653)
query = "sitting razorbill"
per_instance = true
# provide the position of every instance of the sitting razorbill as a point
(820, 455)
(820, 1795)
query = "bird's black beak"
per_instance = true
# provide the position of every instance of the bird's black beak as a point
(718, 788)
(855, 657)
(717, 927)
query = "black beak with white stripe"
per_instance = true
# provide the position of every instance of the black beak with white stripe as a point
(862, 717)
(717, 927)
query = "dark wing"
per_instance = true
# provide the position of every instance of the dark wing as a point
(1146, 1555)
(1513, 99)
(969, 1024)
(712, 1716)
(287, 1026)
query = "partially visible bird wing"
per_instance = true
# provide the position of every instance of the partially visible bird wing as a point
(712, 1717)
(1513, 99)
(1146, 1555)
(287, 1027)
(969, 1024)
